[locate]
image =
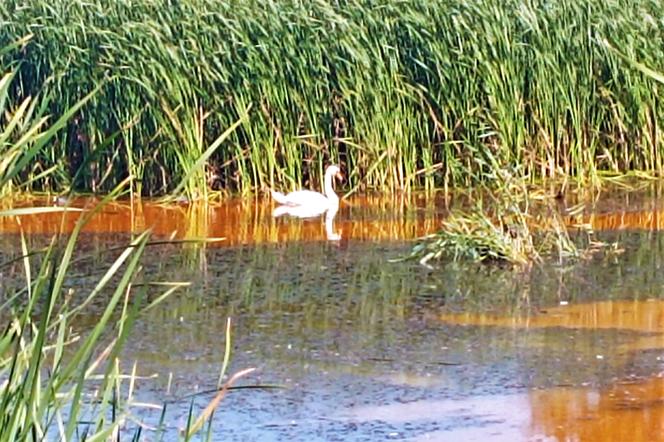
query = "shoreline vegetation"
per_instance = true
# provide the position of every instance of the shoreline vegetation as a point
(202, 95)
(58, 381)
(66, 382)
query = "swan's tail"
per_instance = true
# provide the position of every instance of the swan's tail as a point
(279, 197)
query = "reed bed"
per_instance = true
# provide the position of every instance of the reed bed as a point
(405, 93)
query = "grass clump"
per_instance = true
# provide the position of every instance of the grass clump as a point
(476, 237)
(510, 224)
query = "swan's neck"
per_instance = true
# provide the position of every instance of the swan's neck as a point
(329, 190)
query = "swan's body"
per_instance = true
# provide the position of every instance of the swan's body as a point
(307, 203)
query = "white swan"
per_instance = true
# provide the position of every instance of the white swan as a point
(307, 203)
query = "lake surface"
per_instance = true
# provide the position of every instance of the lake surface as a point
(366, 348)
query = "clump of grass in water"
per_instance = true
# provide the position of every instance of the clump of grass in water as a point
(511, 230)
(476, 237)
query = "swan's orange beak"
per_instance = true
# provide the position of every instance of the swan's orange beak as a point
(339, 176)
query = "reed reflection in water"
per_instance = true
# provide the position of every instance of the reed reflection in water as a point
(336, 321)
(249, 221)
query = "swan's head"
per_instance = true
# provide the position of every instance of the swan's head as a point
(334, 171)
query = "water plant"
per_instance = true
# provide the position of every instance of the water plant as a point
(405, 94)
(24, 135)
(59, 381)
(195, 426)
(512, 224)
(56, 380)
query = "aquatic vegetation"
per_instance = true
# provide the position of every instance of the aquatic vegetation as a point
(475, 236)
(405, 94)
(516, 225)
(56, 380)
(63, 381)
(24, 134)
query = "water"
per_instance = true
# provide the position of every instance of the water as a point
(363, 348)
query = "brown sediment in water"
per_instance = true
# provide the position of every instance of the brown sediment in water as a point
(651, 219)
(644, 316)
(241, 221)
(626, 411)
(249, 221)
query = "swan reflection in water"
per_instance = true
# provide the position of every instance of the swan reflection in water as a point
(329, 225)
(309, 204)
(301, 212)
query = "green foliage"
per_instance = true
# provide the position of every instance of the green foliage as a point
(57, 383)
(405, 93)
(516, 226)
(24, 135)
(476, 237)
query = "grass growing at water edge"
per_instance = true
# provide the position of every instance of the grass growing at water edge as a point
(406, 93)
(24, 135)
(57, 383)
(507, 235)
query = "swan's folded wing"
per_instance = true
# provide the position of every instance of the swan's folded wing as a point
(279, 197)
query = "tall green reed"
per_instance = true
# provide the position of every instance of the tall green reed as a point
(57, 382)
(24, 134)
(405, 93)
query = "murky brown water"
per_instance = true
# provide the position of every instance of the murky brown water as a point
(644, 316)
(627, 409)
(369, 349)
(246, 221)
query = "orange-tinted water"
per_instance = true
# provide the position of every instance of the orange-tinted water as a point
(244, 221)
(644, 316)
(630, 410)
(625, 411)
(651, 219)
(248, 221)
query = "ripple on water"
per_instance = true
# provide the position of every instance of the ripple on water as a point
(367, 349)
